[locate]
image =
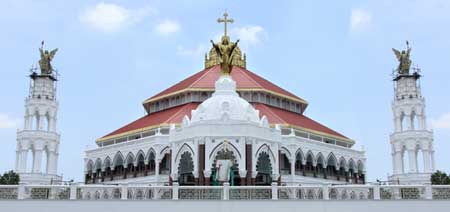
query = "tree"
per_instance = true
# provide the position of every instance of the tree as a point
(440, 178)
(9, 178)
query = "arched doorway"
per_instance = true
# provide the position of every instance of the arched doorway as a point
(264, 169)
(226, 154)
(185, 170)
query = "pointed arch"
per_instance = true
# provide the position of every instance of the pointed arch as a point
(331, 160)
(129, 159)
(299, 162)
(118, 159)
(320, 165)
(107, 167)
(360, 166)
(320, 159)
(89, 166)
(342, 163)
(309, 164)
(185, 169)
(332, 167)
(140, 163)
(264, 169)
(351, 164)
(98, 165)
(107, 162)
(151, 154)
(151, 161)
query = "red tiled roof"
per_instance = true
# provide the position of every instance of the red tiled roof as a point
(170, 116)
(175, 116)
(244, 78)
(280, 116)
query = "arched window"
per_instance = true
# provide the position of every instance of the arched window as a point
(285, 164)
(97, 170)
(309, 165)
(129, 164)
(107, 167)
(320, 171)
(263, 169)
(151, 163)
(299, 163)
(351, 171)
(89, 169)
(361, 176)
(342, 173)
(140, 169)
(331, 167)
(118, 166)
(186, 169)
(165, 165)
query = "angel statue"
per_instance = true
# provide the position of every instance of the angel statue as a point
(403, 58)
(46, 59)
(225, 50)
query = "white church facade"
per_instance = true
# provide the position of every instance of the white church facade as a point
(215, 119)
(217, 127)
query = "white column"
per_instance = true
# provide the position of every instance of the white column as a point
(412, 161)
(51, 169)
(432, 162)
(426, 161)
(293, 168)
(41, 122)
(37, 159)
(410, 122)
(27, 121)
(23, 160)
(398, 161)
(17, 160)
(398, 124)
(157, 170)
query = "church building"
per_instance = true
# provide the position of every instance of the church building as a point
(225, 124)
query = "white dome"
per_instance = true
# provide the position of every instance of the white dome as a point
(225, 104)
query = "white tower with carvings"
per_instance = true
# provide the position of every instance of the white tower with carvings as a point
(38, 142)
(411, 142)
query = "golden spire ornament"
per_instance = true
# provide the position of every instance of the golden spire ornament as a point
(225, 21)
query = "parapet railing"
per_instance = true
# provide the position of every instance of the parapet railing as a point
(225, 192)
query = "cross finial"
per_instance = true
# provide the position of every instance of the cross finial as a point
(225, 20)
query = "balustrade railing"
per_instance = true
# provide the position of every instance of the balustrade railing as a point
(225, 192)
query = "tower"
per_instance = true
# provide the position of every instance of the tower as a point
(39, 139)
(410, 139)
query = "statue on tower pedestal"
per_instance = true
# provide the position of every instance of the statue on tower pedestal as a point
(46, 59)
(403, 58)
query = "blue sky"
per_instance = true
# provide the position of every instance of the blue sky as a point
(114, 54)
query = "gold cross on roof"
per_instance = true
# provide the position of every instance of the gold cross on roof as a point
(225, 20)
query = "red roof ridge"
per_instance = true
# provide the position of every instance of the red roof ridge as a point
(181, 109)
(271, 112)
(248, 76)
(203, 75)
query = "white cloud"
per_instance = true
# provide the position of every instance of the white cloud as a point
(111, 17)
(7, 122)
(360, 19)
(196, 52)
(442, 122)
(250, 35)
(167, 27)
